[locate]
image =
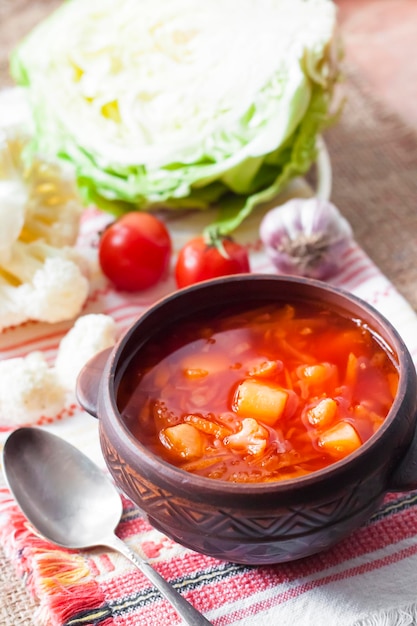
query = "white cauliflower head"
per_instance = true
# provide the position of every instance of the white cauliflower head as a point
(57, 292)
(11, 309)
(29, 390)
(12, 200)
(11, 217)
(40, 193)
(41, 278)
(53, 209)
(90, 335)
(41, 283)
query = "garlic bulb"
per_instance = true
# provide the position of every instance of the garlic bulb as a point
(306, 237)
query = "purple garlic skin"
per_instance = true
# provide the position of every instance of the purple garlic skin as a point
(306, 237)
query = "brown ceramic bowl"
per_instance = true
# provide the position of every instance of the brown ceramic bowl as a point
(254, 523)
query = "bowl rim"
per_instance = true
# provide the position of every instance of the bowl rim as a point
(175, 475)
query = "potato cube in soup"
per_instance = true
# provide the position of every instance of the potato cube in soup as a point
(260, 400)
(183, 441)
(322, 413)
(340, 440)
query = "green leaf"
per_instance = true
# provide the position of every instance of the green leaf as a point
(150, 119)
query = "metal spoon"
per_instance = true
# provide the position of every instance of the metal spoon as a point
(72, 503)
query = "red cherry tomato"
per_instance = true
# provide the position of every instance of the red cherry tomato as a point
(134, 251)
(200, 260)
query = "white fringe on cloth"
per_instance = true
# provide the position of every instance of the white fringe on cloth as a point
(406, 616)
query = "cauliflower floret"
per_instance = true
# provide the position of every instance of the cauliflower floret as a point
(29, 390)
(11, 309)
(53, 210)
(43, 283)
(46, 196)
(12, 217)
(250, 439)
(41, 277)
(90, 335)
(58, 291)
(12, 201)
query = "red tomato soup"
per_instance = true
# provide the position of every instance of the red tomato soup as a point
(269, 394)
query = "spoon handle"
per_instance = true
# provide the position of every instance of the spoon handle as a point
(189, 614)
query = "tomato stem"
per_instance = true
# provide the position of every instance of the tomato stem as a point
(215, 239)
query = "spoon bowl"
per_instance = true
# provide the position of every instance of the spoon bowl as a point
(72, 503)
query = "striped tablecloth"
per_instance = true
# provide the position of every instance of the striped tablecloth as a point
(366, 577)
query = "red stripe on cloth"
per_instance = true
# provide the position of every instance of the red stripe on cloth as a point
(380, 295)
(389, 529)
(294, 592)
(188, 565)
(106, 563)
(157, 614)
(367, 540)
(121, 597)
(116, 304)
(129, 527)
(126, 583)
(356, 276)
(45, 420)
(209, 595)
(42, 341)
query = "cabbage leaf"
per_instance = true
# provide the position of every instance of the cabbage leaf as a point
(181, 104)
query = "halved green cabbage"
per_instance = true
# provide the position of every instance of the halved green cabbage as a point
(181, 103)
